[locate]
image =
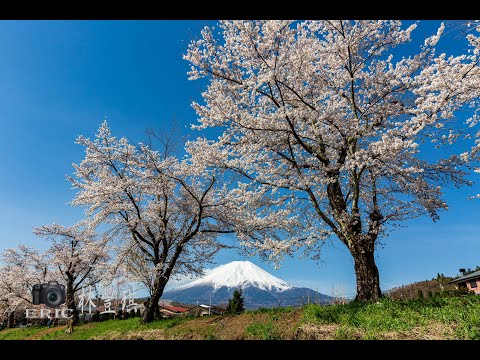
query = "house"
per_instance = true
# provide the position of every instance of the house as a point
(471, 281)
(204, 310)
(170, 311)
(135, 307)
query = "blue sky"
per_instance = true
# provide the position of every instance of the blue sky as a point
(60, 79)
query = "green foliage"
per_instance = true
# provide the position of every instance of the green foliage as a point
(88, 331)
(169, 323)
(461, 313)
(345, 333)
(236, 305)
(420, 294)
(455, 317)
(263, 331)
(20, 333)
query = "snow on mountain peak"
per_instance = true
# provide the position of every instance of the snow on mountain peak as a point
(239, 274)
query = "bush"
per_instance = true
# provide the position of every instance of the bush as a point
(96, 316)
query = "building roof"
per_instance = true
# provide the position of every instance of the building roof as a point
(475, 274)
(174, 308)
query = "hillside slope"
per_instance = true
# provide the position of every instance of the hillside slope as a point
(427, 288)
(436, 318)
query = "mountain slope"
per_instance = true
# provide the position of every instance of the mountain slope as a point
(260, 288)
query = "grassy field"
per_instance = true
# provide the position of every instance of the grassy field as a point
(433, 318)
(449, 317)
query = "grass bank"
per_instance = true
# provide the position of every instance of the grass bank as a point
(440, 317)
(433, 318)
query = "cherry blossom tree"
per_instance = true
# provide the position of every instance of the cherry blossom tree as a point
(21, 268)
(165, 214)
(330, 116)
(78, 256)
(472, 30)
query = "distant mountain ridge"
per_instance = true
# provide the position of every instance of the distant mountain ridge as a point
(260, 288)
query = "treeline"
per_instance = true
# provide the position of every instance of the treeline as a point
(426, 289)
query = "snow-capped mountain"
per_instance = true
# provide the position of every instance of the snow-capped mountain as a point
(260, 288)
(239, 274)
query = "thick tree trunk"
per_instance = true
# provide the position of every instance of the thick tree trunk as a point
(70, 302)
(151, 306)
(366, 271)
(11, 320)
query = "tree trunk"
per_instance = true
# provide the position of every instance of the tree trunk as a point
(158, 314)
(70, 302)
(368, 280)
(11, 319)
(151, 306)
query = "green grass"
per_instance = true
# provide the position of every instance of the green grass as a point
(89, 331)
(93, 330)
(263, 331)
(460, 313)
(438, 317)
(17, 334)
(267, 330)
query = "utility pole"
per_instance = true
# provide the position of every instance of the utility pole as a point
(210, 307)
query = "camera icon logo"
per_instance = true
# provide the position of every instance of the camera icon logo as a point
(51, 294)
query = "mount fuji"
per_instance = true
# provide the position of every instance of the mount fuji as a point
(260, 288)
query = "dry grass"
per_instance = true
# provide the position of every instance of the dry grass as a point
(316, 332)
(283, 325)
(428, 319)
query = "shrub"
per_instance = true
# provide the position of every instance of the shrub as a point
(96, 316)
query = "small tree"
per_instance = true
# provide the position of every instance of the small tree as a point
(166, 213)
(78, 256)
(236, 305)
(21, 268)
